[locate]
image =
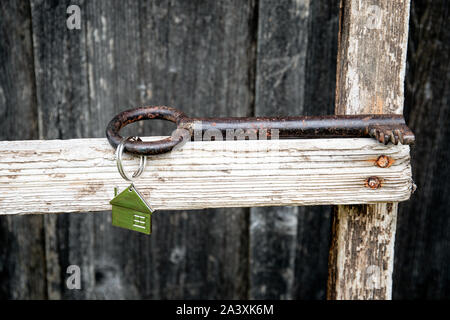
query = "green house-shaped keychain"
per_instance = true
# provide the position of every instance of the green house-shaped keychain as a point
(131, 211)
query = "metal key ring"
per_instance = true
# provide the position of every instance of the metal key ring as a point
(119, 152)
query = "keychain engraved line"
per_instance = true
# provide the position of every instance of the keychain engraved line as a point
(129, 208)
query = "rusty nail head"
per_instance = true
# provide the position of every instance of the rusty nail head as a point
(383, 161)
(373, 183)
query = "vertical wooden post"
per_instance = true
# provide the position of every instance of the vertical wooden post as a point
(370, 75)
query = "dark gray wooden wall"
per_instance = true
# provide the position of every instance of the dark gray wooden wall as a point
(234, 58)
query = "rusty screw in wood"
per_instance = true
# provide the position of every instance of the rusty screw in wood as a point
(384, 161)
(373, 183)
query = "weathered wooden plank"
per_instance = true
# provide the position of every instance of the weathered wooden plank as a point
(48, 175)
(179, 53)
(296, 75)
(22, 262)
(114, 47)
(280, 75)
(195, 56)
(422, 255)
(370, 76)
(63, 112)
(314, 223)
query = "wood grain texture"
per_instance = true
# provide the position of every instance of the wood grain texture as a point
(46, 176)
(422, 247)
(372, 57)
(62, 103)
(314, 222)
(170, 268)
(22, 260)
(280, 81)
(295, 75)
(195, 56)
(370, 76)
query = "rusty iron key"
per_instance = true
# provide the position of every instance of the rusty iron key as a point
(384, 127)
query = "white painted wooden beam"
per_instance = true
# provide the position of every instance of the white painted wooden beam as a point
(79, 175)
(370, 73)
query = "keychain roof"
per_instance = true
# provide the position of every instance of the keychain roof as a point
(131, 198)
